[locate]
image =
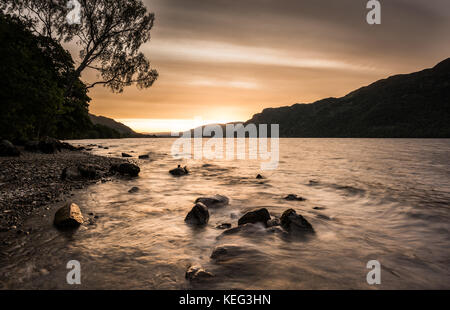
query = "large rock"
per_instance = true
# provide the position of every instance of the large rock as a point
(126, 155)
(293, 222)
(49, 145)
(145, 156)
(68, 216)
(179, 171)
(216, 201)
(260, 215)
(199, 215)
(8, 149)
(126, 169)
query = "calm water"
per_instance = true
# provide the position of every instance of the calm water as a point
(384, 199)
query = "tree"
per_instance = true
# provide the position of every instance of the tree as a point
(109, 37)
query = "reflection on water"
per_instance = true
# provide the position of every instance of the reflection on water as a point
(383, 199)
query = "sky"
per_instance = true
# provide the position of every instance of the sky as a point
(222, 61)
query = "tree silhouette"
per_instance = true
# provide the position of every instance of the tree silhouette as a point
(109, 37)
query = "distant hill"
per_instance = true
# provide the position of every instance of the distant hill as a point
(415, 105)
(109, 122)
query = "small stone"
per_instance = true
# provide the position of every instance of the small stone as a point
(134, 189)
(224, 226)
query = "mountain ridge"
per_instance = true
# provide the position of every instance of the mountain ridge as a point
(403, 105)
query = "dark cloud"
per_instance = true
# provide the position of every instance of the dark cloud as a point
(246, 55)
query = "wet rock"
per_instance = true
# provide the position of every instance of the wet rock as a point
(293, 222)
(261, 215)
(126, 155)
(232, 252)
(293, 197)
(134, 189)
(146, 156)
(8, 149)
(68, 216)
(197, 273)
(273, 222)
(90, 172)
(179, 171)
(224, 226)
(247, 229)
(319, 208)
(126, 169)
(199, 215)
(216, 201)
(259, 176)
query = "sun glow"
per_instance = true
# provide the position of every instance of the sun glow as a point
(145, 125)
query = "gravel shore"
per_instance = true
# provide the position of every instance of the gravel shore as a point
(31, 183)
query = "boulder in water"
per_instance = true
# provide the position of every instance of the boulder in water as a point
(179, 171)
(134, 189)
(126, 155)
(260, 215)
(126, 169)
(8, 149)
(68, 216)
(259, 176)
(293, 197)
(216, 201)
(199, 215)
(293, 222)
(145, 156)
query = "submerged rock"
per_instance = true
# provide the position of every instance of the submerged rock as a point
(273, 222)
(261, 215)
(197, 273)
(126, 169)
(319, 208)
(134, 189)
(199, 215)
(179, 171)
(223, 226)
(8, 149)
(293, 197)
(68, 216)
(293, 222)
(126, 155)
(216, 201)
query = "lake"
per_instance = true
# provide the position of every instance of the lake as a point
(367, 199)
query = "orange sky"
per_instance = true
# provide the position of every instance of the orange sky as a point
(227, 60)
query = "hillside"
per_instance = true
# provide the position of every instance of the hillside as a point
(406, 105)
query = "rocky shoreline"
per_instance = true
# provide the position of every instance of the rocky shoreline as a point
(30, 184)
